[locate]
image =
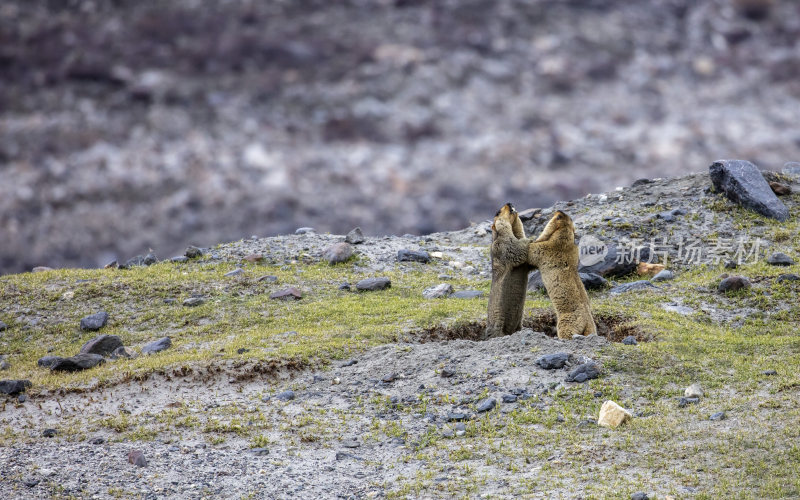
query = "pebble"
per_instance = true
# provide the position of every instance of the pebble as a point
(193, 302)
(285, 396)
(389, 378)
(693, 391)
(592, 281)
(439, 291)
(341, 455)
(788, 277)
(780, 189)
(584, 372)
(41, 269)
(157, 345)
(3, 326)
(259, 452)
(373, 284)
(291, 293)
(456, 416)
(48, 433)
(47, 361)
(22, 398)
(192, 252)
(254, 257)
(179, 259)
(4, 364)
(743, 183)
(634, 285)
(349, 363)
(413, 256)
(447, 372)
(509, 398)
(733, 283)
(716, 417)
(338, 253)
(102, 345)
(344, 286)
(123, 352)
(612, 415)
(12, 387)
(97, 440)
(137, 458)
(630, 340)
(467, 294)
(351, 443)
(448, 432)
(664, 275)
(553, 361)
(780, 259)
(268, 278)
(769, 373)
(355, 236)
(304, 230)
(30, 482)
(95, 321)
(77, 363)
(640, 495)
(791, 168)
(684, 402)
(487, 405)
(461, 429)
(235, 272)
(731, 264)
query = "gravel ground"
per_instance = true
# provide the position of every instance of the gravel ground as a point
(126, 126)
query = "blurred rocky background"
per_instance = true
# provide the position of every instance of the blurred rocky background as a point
(134, 125)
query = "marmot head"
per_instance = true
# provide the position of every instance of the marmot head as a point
(506, 221)
(560, 226)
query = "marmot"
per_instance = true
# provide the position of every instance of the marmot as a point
(509, 255)
(556, 255)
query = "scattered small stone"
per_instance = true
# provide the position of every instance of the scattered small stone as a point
(630, 340)
(733, 283)
(192, 252)
(461, 429)
(716, 417)
(788, 277)
(591, 281)
(47, 361)
(193, 302)
(467, 294)
(285, 396)
(338, 253)
(291, 293)
(769, 373)
(30, 482)
(3, 326)
(157, 345)
(102, 345)
(355, 236)
(613, 415)
(349, 363)
(179, 259)
(341, 455)
(413, 256)
(22, 398)
(97, 440)
(791, 168)
(780, 259)
(731, 264)
(123, 352)
(389, 378)
(553, 361)
(743, 183)
(684, 402)
(242, 350)
(584, 372)
(95, 321)
(456, 416)
(4, 364)
(439, 291)
(304, 230)
(344, 286)
(633, 285)
(137, 458)
(259, 452)
(373, 284)
(509, 398)
(41, 269)
(12, 387)
(664, 275)
(254, 257)
(235, 272)
(48, 433)
(693, 391)
(268, 278)
(447, 372)
(780, 189)
(613, 265)
(640, 495)
(351, 443)
(487, 405)
(77, 363)
(447, 432)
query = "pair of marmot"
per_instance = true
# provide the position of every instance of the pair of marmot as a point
(555, 254)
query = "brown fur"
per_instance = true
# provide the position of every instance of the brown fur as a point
(556, 255)
(509, 253)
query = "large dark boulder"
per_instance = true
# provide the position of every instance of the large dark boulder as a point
(743, 183)
(77, 363)
(102, 345)
(12, 387)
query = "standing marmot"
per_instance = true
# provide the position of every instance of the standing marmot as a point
(509, 254)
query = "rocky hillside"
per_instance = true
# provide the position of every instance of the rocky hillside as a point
(128, 126)
(319, 365)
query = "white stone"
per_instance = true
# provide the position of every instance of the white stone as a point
(693, 391)
(438, 291)
(436, 255)
(613, 415)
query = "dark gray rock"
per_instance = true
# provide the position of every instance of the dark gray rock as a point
(584, 372)
(373, 284)
(593, 281)
(780, 259)
(731, 264)
(447, 372)
(629, 340)
(344, 286)
(48, 433)
(349, 363)
(259, 452)
(338, 253)
(123, 352)
(743, 183)
(788, 277)
(102, 345)
(4, 364)
(439, 291)
(77, 363)
(285, 396)
(663, 275)
(509, 398)
(179, 259)
(641, 182)
(30, 482)
(341, 455)
(640, 495)
(487, 404)
(291, 293)
(733, 283)
(95, 321)
(467, 294)
(389, 378)
(193, 252)
(769, 373)
(193, 302)
(535, 283)
(97, 440)
(304, 230)
(791, 168)
(12, 387)
(351, 443)
(553, 361)
(610, 268)
(684, 402)
(633, 285)
(716, 417)
(48, 361)
(235, 272)
(268, 278)
(780, 189)
(669, 215)
(157, 345)
(355, 236)
(137, 458)
(3, 326)
(413, 256)
(456, 416)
